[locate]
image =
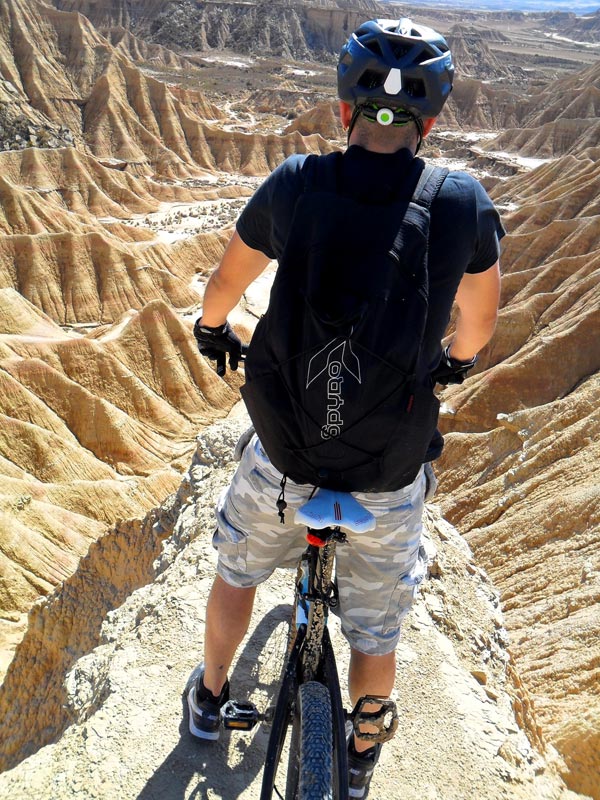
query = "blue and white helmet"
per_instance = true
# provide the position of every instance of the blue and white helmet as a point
(397, 63)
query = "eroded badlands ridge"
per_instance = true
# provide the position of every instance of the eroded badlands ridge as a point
(109, 679)
(56, 67)
(106, 245)
(527, 497)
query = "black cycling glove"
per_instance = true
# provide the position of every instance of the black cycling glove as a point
(452, 370)
(217, 343)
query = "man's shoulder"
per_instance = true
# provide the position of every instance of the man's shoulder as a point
(282, 185)
(296, 167)
(291, 169)
(462, 194)
(460, 184)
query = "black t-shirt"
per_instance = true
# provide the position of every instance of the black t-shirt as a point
(464, 233)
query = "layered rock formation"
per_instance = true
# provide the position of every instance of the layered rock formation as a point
(305, 30)
(93, 430)
(98, 674)
(74, 77)
(66, 250)
(474, 57)
(585, 28)
(474, 105)
(524, 488)
(323, 119)
(309, 31)
(145, 53)
(560, 119)
(298, 30)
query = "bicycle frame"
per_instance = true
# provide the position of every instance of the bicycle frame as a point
(314, 591)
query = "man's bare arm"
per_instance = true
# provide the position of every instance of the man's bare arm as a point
(239, 266)
(477, 299)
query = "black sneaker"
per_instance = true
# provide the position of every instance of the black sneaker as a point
(205, 709)
(360, 769)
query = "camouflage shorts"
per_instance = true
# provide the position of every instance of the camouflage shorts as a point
(377, 572)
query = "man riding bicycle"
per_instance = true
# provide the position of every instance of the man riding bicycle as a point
(393, 80)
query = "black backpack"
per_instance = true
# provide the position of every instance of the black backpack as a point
(335, 384)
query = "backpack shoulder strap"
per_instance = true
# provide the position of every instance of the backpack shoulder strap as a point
(414, 227)
(429, 184)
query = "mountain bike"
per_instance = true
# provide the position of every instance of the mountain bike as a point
(309, 705)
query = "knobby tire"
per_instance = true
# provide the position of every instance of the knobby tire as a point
(315, 757)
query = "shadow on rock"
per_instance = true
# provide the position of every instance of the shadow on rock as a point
(64, 627)
(209, 763)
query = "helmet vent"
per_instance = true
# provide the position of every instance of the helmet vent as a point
(399, 49)
(374, 47)
(370, 79)
(414, 87)
(419, 58)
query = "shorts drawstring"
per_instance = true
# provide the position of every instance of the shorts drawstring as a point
(281, 504)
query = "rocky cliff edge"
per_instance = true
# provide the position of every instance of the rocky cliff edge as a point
(93, 704)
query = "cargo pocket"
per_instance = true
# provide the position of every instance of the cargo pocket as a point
(404, 593)
(232, 547)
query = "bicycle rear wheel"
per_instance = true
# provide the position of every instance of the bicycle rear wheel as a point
(338, 718)
(281, 720)
(310, 766)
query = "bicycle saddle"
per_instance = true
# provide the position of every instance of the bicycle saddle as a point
(329, 509)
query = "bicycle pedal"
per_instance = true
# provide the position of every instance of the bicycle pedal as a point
(384, 720)
(239, 715)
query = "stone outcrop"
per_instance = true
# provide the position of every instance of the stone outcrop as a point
(80, 81)
(585, 28)
(474, 58)
(98, 674)
(18, 132)
(557, 120)
(551, 300)
(323, 119)
(519, 469)
(93, 430)
(109, 277)
(526, 496)
(61, 216)
(475, 105)
(147, 54)
(299, 30)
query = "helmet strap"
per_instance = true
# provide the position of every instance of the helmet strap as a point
(353, 118)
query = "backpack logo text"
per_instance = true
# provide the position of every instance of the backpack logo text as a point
(333, 359)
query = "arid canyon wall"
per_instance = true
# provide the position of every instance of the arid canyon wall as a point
(125, 157)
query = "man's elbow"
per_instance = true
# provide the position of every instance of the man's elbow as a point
(490, 318)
